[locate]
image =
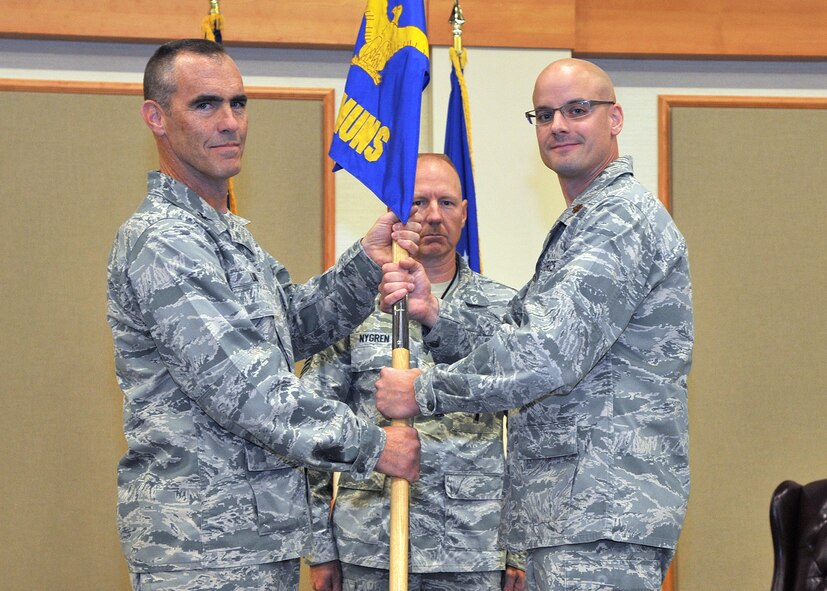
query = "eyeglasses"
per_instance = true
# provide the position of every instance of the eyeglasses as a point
(572, 110)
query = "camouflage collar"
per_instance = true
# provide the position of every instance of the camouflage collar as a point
(182, 196)
(619, 167)
(464, 273)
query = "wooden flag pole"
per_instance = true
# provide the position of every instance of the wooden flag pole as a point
(400, 488)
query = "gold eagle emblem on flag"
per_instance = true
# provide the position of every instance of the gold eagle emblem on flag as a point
(384, 37)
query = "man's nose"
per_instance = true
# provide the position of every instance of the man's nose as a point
(229, 120)
(432, 214)
(558, 122)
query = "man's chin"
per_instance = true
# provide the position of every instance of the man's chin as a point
(431, 251)
(231, 171)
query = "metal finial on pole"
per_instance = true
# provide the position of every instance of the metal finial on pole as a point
(456, 22)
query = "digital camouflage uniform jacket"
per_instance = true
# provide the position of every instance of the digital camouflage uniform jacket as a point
(595, 352)
(456, 505)
(206, 328)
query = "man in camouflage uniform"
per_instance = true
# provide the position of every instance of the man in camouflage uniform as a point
(593, 355)
(207, 326)
(455, 506)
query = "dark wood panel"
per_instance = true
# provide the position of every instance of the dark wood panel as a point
(715, 28)
(659, 28)
(518, 23)
(321, 23)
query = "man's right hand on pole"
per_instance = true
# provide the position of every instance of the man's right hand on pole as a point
(408, 277)
(400, 457)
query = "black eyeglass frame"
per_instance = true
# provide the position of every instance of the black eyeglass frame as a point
(532, 115)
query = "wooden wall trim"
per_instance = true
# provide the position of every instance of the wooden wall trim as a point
(670, 581)
(794, 29)
(539, 24)
(328, 182)
(667, 102)
(702, 28)
(321, 23)
(324, 95)
(70, 86)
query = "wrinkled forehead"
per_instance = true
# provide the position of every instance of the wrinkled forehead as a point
(207, 67)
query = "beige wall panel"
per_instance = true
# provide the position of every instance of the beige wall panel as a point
(76, 170)
(73, 168)
(280, 186)
(749, 191)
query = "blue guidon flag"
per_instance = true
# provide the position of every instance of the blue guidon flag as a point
(458, 149)
(376, 137)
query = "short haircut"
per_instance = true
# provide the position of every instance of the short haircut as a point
(158, 83)
(447, 160)
(438, 156)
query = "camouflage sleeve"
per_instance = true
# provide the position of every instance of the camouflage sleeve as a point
(575, 309)
(328, 374)
(329, 306)
(515, 559)
(461, 327)
(211, 344)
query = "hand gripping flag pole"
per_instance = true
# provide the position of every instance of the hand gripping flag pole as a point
(376, 139)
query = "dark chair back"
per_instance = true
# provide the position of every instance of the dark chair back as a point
(798, 520)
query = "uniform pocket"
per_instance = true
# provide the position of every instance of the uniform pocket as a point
(623, 574)
(472, 509)
(265, 311)
(362, 510)
(548, 462)
(280, 491)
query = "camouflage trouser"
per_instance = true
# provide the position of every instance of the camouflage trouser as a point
(597, 566)
(360, 578)
(276, 576)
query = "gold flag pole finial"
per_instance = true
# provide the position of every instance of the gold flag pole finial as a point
(213, 23)
(456, 22)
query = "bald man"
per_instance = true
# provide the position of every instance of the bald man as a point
(593, 355)
(456, 505)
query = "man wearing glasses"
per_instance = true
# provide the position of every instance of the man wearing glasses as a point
(593, 357)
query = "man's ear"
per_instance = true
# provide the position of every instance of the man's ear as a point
(616, 116)
(153, 116)
(464, 212)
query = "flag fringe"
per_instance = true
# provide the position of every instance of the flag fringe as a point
(459, 60)
(210, 24)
